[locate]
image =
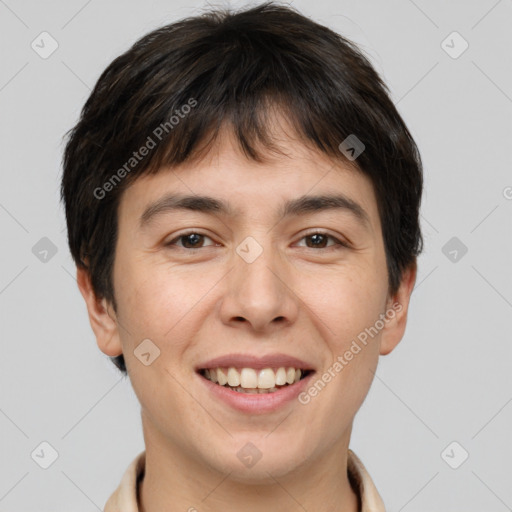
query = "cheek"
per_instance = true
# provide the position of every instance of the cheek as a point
(161, 302)
(351, 308)
(152, 306)
(354, 342)
(347, 303)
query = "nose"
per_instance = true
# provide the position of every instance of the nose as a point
(259, 294)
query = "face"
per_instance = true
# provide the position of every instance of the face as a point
(248, 288)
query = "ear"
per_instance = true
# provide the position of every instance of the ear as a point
(101, 316)
(394, 327)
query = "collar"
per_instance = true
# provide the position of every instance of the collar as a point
(125, 497)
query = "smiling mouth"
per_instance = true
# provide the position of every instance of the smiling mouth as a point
(252, 381)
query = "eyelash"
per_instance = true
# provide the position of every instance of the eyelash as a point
(307, 235)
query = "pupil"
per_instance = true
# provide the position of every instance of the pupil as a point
(193, 238)
(317, 238)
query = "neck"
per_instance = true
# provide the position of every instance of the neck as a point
(174, 481)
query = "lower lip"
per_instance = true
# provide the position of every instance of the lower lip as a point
(256, 403)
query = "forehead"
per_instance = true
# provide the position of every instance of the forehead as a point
(242, 186)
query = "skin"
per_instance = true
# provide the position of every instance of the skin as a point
(207, 301)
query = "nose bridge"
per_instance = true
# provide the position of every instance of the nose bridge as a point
(257, 290)
(257, 264)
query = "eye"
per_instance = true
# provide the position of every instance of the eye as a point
(191, 240)
(319, 239)
(194, 239)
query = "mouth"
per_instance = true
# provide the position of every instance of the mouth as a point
(255, 380)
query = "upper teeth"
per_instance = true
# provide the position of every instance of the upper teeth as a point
(250, 379)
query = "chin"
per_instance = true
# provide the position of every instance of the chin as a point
(258, 461)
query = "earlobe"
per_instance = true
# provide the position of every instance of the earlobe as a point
(396, 312)
(101, 316)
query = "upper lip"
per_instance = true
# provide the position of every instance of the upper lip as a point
(256, 362)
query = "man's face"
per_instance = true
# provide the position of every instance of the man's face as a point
(253, 283)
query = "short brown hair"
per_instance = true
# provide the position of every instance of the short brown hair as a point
(178, 84)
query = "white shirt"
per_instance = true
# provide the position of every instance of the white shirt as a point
(125, 497)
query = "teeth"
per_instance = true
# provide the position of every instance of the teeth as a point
(221, 376)
(233, 377)
(281, 377)
(266, 379)
(249, 380)
(254, 391)
(211, 375)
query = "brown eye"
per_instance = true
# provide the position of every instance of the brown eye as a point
(191, 240)
(319, 240)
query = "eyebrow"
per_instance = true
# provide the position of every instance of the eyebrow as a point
(294, 207)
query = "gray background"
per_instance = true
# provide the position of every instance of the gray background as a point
(449, 379)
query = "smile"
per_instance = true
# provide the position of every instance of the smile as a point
(253, 381)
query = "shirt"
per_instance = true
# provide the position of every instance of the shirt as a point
(126, 497)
